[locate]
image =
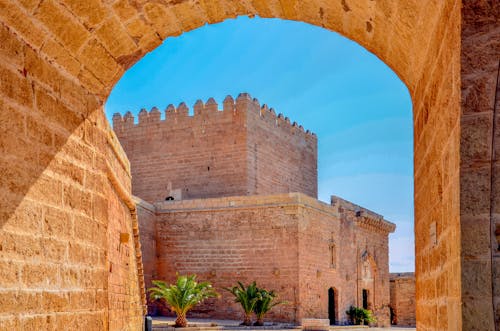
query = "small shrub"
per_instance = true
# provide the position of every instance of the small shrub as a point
(359, 316)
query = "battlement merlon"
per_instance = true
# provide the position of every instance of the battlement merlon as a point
(364, 217)
(244, 102)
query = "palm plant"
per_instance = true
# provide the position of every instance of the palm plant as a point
(247, 297)
(264, 304)
(183, 295)
(359, 316)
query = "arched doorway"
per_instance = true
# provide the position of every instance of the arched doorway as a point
(59, 62)
(332, 305)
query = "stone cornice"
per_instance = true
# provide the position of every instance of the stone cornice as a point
(246, 202)
(375, 224)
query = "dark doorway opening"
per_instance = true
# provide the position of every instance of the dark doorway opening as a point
(365, 299)
(332, 306)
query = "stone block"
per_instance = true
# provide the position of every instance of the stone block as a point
(55, 250)
(476, 285)
(162, 19)
(9, 273)
(63, 25)
(62, 56)
(57, 301)
(11, 48)
(476, 138)
(25, 219)
(15, 87)
(57, 223)
(67, 119)
(477, 314)
(40, 276)
(98, 61)
(91, 12)
(115, 39)
(475, 191)
(20, 245)
(78, 199)
(18, 20)
(476, 236)
(124, 10)
(85, 255)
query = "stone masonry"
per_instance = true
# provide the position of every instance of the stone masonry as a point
(59, 61)
(293, 243)
(403, 298)
(243, 150)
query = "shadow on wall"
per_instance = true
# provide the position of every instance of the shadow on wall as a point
(424, 48)
(50, 136)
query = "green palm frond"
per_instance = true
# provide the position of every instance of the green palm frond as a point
(246, 296)
(265, 302)
(183, 295)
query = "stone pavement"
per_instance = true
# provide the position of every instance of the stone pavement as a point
(161, 323)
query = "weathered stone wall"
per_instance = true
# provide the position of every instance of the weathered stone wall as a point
(402, 288)
(229, 239)
(147, 228)
(60, 218)
(244, 149)
(281, 157)
(124, 284)
(436, 117)
(480, 164)
(318, 228)
(69, 54)
(365, 240)
(283, 242)
(203, 155)
(373, 270)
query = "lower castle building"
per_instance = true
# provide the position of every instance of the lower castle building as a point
(231, 195)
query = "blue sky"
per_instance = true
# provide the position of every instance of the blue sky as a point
(358, 107)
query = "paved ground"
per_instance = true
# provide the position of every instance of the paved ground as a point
(165, 323)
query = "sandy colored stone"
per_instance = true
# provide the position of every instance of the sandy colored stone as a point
(218, 153)
(216, 239)
(402, 290)
(115, 38)
(100, 62)
(14, 87)
(62, 56)
(90, 12)
(446, 52)
(61, 23)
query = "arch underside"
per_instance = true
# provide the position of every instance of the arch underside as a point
(61, 164)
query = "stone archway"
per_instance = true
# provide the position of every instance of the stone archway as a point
(64, 179)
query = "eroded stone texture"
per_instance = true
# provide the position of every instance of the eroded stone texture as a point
(291, 243)
(424, 42)
(59, 216)
(244, 149)
(146, 214)
(402, 288)
(254, 236)
(480, 184)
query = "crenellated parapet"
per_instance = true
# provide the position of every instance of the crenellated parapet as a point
(205, 111)
(244, 148)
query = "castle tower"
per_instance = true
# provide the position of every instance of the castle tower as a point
(243, 149)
